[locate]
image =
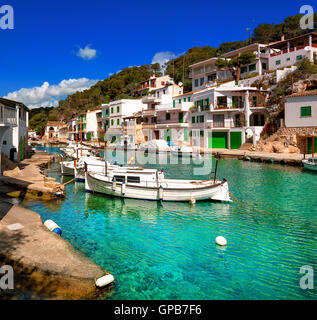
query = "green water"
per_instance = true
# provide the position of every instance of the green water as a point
(167, 250)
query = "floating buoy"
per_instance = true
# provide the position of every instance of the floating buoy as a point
(114, 184)
(192, 200)
(161, 193)
(221, 241)
(123, 188)
(52, 226)
(104, 281)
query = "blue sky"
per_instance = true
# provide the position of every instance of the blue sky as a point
(47, 35)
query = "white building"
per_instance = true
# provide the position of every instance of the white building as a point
(226, 117)
(13, 129)
(288, 52)
(301, 110)
(117, 111)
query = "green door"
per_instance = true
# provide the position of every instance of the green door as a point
(168, 135)
(218, 140)
(181, 117)
(185, 134)
(235, 140)
(310, 145)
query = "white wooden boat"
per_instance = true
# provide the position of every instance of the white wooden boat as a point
(150, 184)
(310, 164)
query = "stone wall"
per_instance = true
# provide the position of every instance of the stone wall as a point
(287, 140)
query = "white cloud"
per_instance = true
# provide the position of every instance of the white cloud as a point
(163, 57)
(87, 53)
(48, 95)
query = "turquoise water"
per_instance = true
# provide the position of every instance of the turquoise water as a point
(168, 251)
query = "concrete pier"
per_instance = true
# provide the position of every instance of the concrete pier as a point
(30, 182)
(292, 159)
(43, 262)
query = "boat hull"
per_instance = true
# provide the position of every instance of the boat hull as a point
(66, 171)
(216, 192)
(310, 166)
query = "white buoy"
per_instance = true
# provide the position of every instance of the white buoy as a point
(161, 193)
(104, 281)
(123, 188)
(221, 241)
(52, 226)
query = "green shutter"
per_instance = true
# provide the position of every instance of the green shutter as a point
(185, 134)
(233, 101)
(174, 103)
(305, 111)
(168, 116)
(188, 99)
(118, 109)
(180, 101)
(193, 120)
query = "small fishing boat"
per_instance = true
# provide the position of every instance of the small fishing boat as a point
(310, 164)
(150, 184)
(76, 167)
(183, 151)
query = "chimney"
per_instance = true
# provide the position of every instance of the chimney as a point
(283, 37)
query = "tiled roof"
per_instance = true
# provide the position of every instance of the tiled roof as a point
(303, 94)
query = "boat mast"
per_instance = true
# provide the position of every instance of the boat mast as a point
(313, 143)
(217, 159)
(105, 140)
(81, 137)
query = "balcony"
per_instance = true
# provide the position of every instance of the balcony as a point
(147, 86)
(8, 116)
(151, 99)
(290, 50)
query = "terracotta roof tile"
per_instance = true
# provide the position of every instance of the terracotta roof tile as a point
(303, 94)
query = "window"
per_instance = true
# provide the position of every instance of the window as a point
(202, 80)
(193, 119)
(252, 67)
(118, 121)
(119, 178)
(180, 101)
(196, 82)
(264, 66)
(201, 119)
(278, 62)
(112, 110)
(288, 59)
(133, 179)
(164, 91)
(305, 112)
(174, 102)
(112, 122)
(118, 109)
(244, 69)
(188, 99)
(219, 120)
(300, 57)
(184, 99)
(254, 100)
(168, 116)
(201, 133)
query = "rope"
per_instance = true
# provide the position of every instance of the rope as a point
(68, 182)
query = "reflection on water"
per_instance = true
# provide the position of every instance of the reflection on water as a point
(168, 251)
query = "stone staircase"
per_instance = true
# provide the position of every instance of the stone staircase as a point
(246, 146)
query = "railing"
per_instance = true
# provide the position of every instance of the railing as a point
(8, 115)
(275, 54)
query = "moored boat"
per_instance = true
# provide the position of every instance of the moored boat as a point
(310, 164)
(150, 184)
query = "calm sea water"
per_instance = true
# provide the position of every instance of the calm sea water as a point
(168, 251)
